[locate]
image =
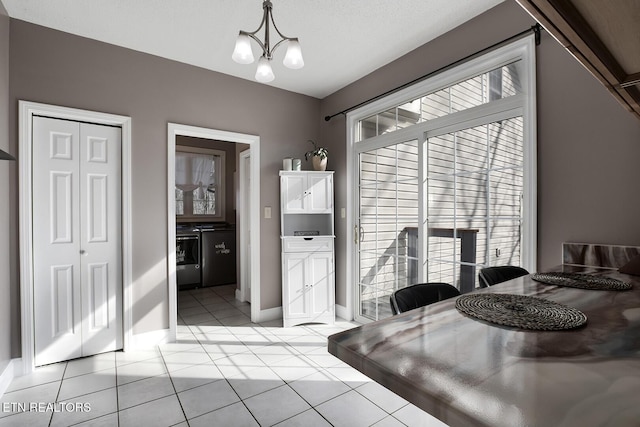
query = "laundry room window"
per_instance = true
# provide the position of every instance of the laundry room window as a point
(199, 188)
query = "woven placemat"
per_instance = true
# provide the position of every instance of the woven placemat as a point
(520, 311)
(582, 281)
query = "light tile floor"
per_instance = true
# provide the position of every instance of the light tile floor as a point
(223, 370)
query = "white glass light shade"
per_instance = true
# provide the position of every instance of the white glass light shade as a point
(242, 54)
(293, 57)
(264, 73)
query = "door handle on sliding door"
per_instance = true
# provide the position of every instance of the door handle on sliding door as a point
(358, 234)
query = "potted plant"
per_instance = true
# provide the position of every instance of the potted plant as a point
(318, 156)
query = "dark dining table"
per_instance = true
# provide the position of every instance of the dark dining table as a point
(469, 372)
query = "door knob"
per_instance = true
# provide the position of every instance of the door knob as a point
(82, 252)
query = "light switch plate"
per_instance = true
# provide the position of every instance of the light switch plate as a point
(267, 212)
(343, 213)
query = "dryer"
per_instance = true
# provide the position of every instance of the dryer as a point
(218, 254)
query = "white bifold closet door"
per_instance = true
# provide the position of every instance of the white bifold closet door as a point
(77, 261)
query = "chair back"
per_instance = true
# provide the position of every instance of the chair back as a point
(490, 276)
(419, 295)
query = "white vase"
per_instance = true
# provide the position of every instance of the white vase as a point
(319, 164)
(286, 163)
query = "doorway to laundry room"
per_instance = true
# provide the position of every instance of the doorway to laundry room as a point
(210, 209)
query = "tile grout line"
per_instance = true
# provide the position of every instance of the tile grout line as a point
(117, 412)
(115, 361)
(288, 384)
(64, 371)
(241, 400)
(213, 362)
(226, 380)
(297, 354)
(172, 385)
(312, 406)
(378, 406)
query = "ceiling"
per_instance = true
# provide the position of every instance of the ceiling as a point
(602, 35)
(342, 40)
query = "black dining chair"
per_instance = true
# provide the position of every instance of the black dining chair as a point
(419, 295)
(490, 276)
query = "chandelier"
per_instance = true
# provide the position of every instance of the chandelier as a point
(242, 54)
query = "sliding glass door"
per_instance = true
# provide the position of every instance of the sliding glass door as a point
(474, 207)
(388, 190)
(470, 205)
(444, 179)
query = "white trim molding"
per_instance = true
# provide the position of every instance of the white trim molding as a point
(11, 369)
(27, 111)
(173, 131)
(344, 312)
(268, 314)
(150, 339)
(243, 231)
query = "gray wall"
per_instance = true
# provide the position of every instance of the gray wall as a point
(6, 325)
(588, 145)
(57, 68)
(588, 159)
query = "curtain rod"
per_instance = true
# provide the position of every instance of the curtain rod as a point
(535, 28)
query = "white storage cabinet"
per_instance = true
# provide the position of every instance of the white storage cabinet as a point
(307, 234)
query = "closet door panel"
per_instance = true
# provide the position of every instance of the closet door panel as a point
(76, 239)
(56, 240)
(100, 237)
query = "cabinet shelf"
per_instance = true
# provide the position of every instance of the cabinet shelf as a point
(309, 224)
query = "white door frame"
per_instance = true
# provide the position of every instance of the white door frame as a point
(27, 110)
(175, 130)
(244, 209)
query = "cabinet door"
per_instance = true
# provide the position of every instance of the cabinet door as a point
(293, 189)
(321, 283)
(319, 193)
(294, 268)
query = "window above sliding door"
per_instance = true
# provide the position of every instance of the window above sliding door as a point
(499, 83)
(443, 178)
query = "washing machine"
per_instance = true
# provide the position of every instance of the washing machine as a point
(188, 271)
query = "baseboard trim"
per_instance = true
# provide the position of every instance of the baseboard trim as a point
(8, 371)
(274, 313)
(150, 339)
(343, 313)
